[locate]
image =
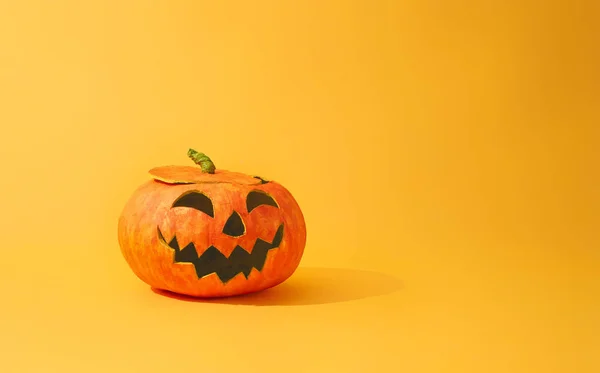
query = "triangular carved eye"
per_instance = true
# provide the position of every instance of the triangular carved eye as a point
(258, 198)
(234, 226)
(197, 201)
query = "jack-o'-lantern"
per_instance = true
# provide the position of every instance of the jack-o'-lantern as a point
(203, 232)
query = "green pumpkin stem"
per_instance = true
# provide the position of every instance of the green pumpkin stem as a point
(201, 159)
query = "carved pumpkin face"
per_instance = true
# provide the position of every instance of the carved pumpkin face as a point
(211, 234)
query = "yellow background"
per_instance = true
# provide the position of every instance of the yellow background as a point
(445, 155)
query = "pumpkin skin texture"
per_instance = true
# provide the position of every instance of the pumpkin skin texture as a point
(211, 234)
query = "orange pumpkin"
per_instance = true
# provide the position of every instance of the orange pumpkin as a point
(198, 231)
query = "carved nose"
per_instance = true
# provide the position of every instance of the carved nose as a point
(234, 226)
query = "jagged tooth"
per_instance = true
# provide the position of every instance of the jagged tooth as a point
(226, 275)
(174, 244)
(214, 262)
(212, 255)
(210, 261)
(239, 255)
(278, 237)
(187, 255)
(246, 271)
(229, 268)
(202, 272)
(259, 253)
(259, 264)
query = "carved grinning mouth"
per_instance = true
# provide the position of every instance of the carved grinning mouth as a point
(213, 261)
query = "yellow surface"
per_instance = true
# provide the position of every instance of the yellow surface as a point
(445, 155)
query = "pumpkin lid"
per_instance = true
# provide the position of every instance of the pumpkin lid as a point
(194, 175)
(206, 173)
